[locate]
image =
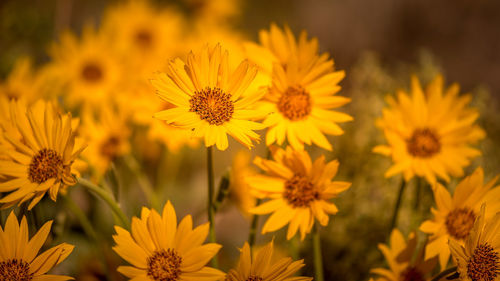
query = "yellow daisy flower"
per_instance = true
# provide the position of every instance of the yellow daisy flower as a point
(239, 190)
(159, 249)
(262, 268)
(88, 68)
(300, 190)
(479, 259)
(42, 161)
(19, 259)
(399, 256)
(455, 215)
(210, 100)
(303, 89)
(429, 133)
(107, 133)
(143, 34)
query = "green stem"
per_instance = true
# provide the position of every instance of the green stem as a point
(318, 259)
(142, 179)
(80, 215)
(99, 192)
(444, 273)
(210, 208)
(398, 204)
(252, 234)
(418, 191)
(222, 192)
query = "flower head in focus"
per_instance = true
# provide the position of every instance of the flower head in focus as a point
(19, 259)
(455, 215)
(429, 133)
(302, 95)
(209, 98)
(299, 190)
(159, 249)
(479, 258)
(43, 159)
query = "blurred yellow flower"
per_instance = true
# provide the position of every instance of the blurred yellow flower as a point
(455, 216)
(239, 190)
(6, 125)
(429, 133)
(107, 133)
(479, 260)
(23, 82)
(42, 161)
(144, 36)
(210, 100)
(88, 68)
(263, 268)
(158, 249)
(399, 256)
(19, 259)
(208, 12)
(303, 89)
(300, 190)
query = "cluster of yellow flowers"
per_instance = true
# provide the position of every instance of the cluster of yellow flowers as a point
(227, 85)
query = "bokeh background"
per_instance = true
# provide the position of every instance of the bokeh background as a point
(378, 43)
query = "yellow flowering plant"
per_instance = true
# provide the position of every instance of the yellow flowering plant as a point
(113, 113)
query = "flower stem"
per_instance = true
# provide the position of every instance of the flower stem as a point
(252, 234)
(210, 207)
(99, 192)
(80, 215)
(398, 204)
(142, 180)
(222, 192)
(318, 259)
(444, 273)
(418, 191)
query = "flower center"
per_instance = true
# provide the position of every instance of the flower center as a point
(484, 265)
(254, 278)
(15, 270)
(110, 147)
(459, 222)
(299, 191)
(411, 273)
(144, 38)
(423, 143)
(164, 265)
(212, 105)
(92, 72)
(46, 164)
(295, 103)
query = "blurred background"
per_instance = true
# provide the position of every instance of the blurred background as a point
(463, 34)
(378, 43)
